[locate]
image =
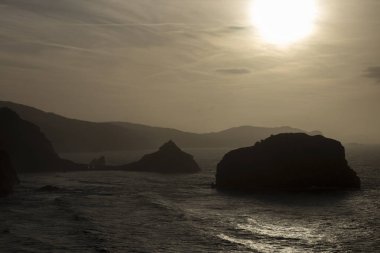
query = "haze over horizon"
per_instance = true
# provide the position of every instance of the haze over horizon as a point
(173, 64)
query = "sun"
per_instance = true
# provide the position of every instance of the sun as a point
(283, 22)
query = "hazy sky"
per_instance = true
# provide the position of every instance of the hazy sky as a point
(196, 65)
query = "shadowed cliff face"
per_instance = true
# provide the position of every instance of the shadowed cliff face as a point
(295, 161)
(8, 176)
(168, 159)
(27, 146)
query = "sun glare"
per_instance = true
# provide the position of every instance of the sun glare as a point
(283, 22)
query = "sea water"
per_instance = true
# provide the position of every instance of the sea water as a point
(115, 211)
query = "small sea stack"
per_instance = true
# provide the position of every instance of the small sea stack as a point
(168, 159)
(97, 163)
(8, 176)
(292, 161)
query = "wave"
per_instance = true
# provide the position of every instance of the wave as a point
(282, 232)
(258, 246)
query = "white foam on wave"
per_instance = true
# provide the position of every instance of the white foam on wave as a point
(292, 232)
(261, 247)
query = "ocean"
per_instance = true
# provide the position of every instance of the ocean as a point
(115, 211)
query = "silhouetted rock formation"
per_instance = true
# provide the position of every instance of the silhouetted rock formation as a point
(287, 161)
(97, 163)
(49, 188)
(29, 149)
(168, 159)
(8, 176)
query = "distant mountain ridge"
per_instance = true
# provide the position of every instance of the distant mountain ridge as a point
(73, 135)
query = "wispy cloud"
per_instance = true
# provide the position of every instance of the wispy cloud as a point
(234, 71)
(373, 72)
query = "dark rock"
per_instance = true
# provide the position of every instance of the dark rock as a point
(287, 161)
(49, 188)
(8, 176)
(97, 163)
(103, 250)
(6, 231)
(29, 149)
(168, 159)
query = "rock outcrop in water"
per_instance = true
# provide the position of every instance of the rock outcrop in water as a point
(8, 176)
(29, 149)
(97, 163)
(168, 159)
(49, 188)
(287, 161)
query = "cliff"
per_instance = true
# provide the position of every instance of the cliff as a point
(27, 146)
(8, 176)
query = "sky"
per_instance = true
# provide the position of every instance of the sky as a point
(194, 65)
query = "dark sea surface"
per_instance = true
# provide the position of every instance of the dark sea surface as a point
(114, 211)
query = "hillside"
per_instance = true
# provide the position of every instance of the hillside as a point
(28, 148)
(72, 135)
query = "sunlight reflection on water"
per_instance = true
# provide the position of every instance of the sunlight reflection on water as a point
(270, 237)
(260, 247)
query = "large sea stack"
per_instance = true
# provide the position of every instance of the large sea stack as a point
(8, 176)
(27, 146)
(293, 161)
(168, 159)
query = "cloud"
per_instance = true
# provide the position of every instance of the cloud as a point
(234, 71)
(237, 27)
(373, 72)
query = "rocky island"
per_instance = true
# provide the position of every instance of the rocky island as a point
(168, 159)
(8, 176)
(294, 161)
